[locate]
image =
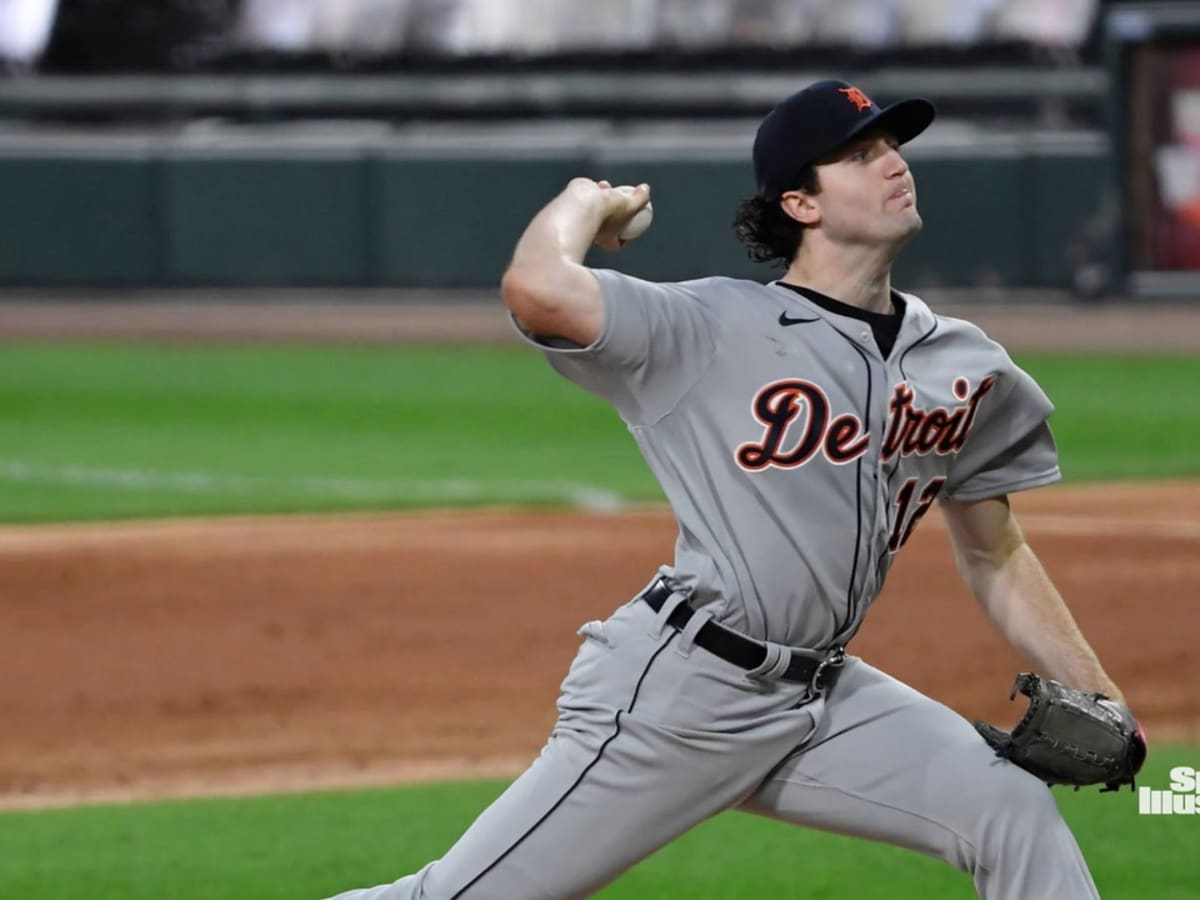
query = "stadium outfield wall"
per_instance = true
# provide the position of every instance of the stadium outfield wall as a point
(275, 210)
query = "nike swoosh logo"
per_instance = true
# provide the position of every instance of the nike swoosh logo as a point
(785, 320)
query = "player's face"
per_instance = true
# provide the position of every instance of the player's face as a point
(867, 193)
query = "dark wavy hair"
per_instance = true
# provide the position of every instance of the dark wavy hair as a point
(770, 234)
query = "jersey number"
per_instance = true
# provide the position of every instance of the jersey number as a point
(905, 523)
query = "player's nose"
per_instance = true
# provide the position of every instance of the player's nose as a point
(894, 164)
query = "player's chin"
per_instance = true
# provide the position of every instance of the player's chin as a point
(907, 225)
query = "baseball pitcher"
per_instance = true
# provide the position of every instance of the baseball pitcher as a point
(800, 430)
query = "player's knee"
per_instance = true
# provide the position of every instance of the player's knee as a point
(1015, 809)
(1021, 845)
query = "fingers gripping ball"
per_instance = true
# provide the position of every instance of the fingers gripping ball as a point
(641, 220)
(1070, 737)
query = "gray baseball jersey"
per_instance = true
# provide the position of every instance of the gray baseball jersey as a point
(796, 458)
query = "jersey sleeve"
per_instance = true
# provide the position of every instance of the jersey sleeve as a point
(655, 343)
(1011, 447)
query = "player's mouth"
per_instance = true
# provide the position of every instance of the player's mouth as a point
(904, 195)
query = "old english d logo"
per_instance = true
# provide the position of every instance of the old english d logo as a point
(860, 100)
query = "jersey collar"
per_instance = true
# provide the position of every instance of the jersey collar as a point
(918, 321)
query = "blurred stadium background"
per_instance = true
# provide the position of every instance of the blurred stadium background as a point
(403, 143)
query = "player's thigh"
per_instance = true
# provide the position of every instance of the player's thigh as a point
(633, 762)
(585, 811)
(576, 820)
(889, 763)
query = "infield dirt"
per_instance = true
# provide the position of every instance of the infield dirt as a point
(242, 655)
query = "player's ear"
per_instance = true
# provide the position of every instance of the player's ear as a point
(801, 206)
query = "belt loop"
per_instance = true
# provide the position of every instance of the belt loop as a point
(687, 637)
(660, 618)
(773, 666)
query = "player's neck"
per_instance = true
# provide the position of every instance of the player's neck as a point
(861, 279)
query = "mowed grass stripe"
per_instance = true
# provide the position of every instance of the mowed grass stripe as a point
(413, 422)
(1122, 416)
(310, 846)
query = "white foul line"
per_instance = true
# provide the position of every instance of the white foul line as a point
(327, 487)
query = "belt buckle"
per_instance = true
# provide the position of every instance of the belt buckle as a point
(835, 659)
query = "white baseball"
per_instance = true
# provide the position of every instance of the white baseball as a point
(641, 220)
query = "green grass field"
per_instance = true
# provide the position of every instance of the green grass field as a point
(112, 431)
(309, 846)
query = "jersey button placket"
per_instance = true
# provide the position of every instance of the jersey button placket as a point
(883, 510)
(892, 376)
(878, 373)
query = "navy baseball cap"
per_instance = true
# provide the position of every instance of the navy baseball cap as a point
(814, 122)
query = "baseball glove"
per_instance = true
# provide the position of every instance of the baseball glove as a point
(1070, 737)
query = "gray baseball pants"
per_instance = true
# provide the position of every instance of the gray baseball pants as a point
(655, 735)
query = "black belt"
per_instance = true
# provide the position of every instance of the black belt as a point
(742, 651)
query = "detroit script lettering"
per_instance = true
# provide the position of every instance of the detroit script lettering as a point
(797, 425)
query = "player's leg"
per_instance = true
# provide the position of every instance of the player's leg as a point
(583, 813)
(652, 738)
(886, 762)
